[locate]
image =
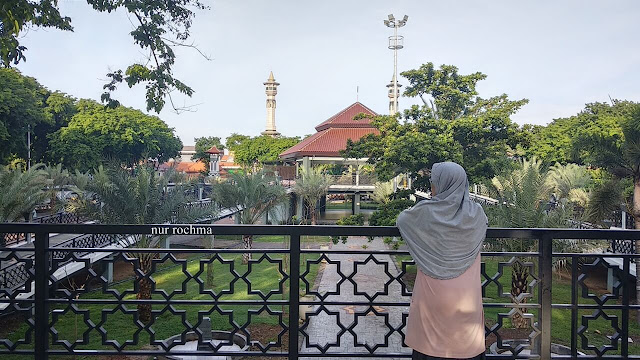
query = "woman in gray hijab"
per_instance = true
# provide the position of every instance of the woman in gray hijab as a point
(444, 235)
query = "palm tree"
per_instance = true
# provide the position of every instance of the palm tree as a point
(312, 186)
(251, 196)
(115, 196)
(620, 155)
(568, 181)
(606, 198)
(382, 192)
(59, 177)
(524, 204)
(20, 193)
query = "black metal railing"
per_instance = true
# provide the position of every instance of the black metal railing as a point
(342, 311)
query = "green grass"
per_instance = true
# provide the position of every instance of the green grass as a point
(322, 240)
(560, 318)
(347, 205)
(120, 325)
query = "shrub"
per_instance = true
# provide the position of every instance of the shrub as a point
(352, 220)
(387, 214)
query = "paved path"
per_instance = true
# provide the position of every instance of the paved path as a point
(370, 278)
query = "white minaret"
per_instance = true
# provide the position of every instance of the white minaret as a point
(271, 91)
(394, 93)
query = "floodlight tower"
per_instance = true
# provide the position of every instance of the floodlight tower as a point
(395, 43)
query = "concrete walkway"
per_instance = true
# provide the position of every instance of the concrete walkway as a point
(370, 278)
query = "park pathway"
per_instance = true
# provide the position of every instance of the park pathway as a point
(370, 278)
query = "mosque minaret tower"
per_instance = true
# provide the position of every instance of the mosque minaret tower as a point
(271, 91)
(394, 93)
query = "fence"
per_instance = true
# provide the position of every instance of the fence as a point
(57, 218)
(267, 291)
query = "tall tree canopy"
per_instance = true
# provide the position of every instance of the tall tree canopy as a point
(453, 124)
(559, 140)
(203, 144)
(234, 140)
(96, 134)
(253, 152)
(24, 104)
(160, 27)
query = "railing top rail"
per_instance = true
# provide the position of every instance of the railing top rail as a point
(322, 230)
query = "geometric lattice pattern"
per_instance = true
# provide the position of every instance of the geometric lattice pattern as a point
(350, 300)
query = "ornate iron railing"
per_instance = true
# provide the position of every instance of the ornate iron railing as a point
(362, 294)
(57, 218)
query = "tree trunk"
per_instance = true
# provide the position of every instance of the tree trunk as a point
(519, 279)
(312, 210)
(636, 220)
(210, 274)
(144, 291)
(248, 241)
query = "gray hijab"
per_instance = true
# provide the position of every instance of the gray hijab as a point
(445, 233)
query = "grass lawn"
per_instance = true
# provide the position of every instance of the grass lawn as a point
(323, 240)
(560, 318)
(347, 205)
(170, 277)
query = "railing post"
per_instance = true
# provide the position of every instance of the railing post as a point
(41, 306)
(294, 294)
(545, 249)
(626, 296)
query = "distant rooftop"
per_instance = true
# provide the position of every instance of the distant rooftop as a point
(332, 135)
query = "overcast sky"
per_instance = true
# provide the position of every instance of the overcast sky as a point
(558, 54)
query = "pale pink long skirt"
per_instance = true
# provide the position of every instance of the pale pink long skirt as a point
(446, 317)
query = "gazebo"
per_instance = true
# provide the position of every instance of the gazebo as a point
(330, 139)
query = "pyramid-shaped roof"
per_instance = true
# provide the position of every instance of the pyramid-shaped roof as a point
(344, 119)
(214, 150)
(333, 134)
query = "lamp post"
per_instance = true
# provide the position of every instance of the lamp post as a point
(395, 43)
(29, 146)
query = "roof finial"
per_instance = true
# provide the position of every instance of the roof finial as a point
(271, 76)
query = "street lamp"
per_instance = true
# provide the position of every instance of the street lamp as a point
(395, 43)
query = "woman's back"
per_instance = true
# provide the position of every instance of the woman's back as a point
(444, 235)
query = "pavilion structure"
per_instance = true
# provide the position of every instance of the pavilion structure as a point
(325, 145)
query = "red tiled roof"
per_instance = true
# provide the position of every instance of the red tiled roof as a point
(190, 167)
(345, 118)
(214, 150)
(333, 134)
(327, 142)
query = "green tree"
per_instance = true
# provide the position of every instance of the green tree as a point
(59, 177)
(26, 105)
(115, 196)
(312, 185)
(611, 140)
(125, 135)
(21, 107)
(387, 213)
(558, 141)
(524, 196)
(252, 196)
(254, 152)
(382, 192)
(234, 140)
(453, 124)
(203, 144)
(60, 109)
(160, 28)
(20, 193)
